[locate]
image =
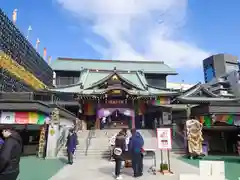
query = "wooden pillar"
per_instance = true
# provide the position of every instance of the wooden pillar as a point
(42, 142)
(97, 124)
(133, 119)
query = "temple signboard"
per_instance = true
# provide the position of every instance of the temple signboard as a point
(115, 101)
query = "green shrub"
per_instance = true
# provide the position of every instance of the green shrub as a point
(163, 166)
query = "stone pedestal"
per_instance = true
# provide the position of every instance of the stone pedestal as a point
(53, 134)
(52, 145)
(84, 125)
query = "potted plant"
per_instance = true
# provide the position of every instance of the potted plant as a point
(164, 167)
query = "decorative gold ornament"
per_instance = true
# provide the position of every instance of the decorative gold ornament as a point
(52, 132)
(20, 72)
(115, 78)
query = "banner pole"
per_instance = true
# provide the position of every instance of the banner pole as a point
(169, 165)
(161, 160)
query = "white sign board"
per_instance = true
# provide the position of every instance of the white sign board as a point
(8, 118)
(164, 138)
(212, 168)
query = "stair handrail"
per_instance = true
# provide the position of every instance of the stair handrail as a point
(179, 139)
(61, 141)
(91, 134)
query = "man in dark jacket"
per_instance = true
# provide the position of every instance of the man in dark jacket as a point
(1, 143)
(71, 145)
(10, 155)
(135, 147)
(118, 153)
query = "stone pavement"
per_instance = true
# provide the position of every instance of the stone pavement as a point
(99, 169)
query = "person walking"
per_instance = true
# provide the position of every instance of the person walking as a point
(118, 152)
(71, 145)
(10, 155)
(135, 147)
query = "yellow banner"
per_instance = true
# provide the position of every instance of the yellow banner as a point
(20, 72)
(33, 118)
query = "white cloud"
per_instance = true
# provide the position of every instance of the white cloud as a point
(130, 25)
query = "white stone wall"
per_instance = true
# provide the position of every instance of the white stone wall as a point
(66, 122)
(52, 145)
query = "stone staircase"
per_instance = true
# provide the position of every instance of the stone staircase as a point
(91, 144)
(178, 144)
(95, 143)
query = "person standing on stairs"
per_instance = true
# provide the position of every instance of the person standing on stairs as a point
(118, 152)
(71, 145)
(136, 144)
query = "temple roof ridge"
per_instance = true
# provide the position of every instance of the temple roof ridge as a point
(196, 88)
(161, 88)
(143, 81)
(194, 95)
(69, 64)
(110, 60)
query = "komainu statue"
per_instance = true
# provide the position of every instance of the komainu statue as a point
(55, 118)
(194, 137)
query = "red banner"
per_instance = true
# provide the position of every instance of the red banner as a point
(21, 117)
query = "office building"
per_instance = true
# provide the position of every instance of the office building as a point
(218, 65)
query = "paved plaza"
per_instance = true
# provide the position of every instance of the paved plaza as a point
(57, 169)
(103, 169)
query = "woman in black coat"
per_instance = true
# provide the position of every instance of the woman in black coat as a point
(118, 153)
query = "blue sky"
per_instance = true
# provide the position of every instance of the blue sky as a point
(179, 32)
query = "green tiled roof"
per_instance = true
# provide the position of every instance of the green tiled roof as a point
(142, 78)
(90, 79)
(133, 78)
(93, 77)
(66, 64)
(68, 89)
(189, 96)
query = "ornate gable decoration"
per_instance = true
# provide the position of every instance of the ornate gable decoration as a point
(198, 91)
(115, 79)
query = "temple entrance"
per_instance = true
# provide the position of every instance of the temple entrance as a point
(116, 118)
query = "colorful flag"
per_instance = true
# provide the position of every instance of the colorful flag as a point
(29, 30)
(14, 16)
(37, 43)
(45, 53)
(49, 59)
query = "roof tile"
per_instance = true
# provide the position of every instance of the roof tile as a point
(66, 64)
